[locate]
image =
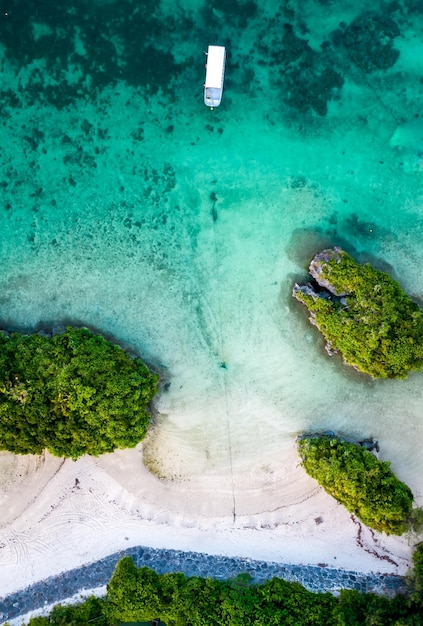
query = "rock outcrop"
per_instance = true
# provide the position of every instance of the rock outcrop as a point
(363, 314)
(322, 287)
(321, 261)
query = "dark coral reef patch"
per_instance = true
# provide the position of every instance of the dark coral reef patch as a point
(369, 41)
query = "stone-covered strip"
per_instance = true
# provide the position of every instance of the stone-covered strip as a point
(315, 578)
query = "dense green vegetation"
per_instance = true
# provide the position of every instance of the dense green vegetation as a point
(92, 611)
(379, 330)
(358, 480)
(140, 594)
(74, 393)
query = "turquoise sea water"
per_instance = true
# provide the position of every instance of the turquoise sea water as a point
(129, 207)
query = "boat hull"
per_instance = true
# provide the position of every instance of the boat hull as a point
(215, 74)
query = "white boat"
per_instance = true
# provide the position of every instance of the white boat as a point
(215, 74)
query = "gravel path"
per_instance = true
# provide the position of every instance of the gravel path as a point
(57, 588)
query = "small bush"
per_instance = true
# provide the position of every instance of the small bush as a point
(358, 480)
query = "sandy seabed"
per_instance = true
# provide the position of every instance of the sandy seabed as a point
(179, 232)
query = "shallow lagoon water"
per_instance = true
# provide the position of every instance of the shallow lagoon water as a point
(131, 208)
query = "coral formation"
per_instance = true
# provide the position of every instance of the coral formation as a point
(369, 40)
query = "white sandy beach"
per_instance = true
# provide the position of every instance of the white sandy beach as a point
(62, 515)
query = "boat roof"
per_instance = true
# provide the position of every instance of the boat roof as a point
(215, 64)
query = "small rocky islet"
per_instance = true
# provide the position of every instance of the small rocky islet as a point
(358, 480)
(363, 314)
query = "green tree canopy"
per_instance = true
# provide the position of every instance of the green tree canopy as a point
(74, 393)
(377, 328)
(357, 479)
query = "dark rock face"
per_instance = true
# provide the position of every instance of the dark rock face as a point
(370, 444)
(321, 287)
(369, 41)
(316, 270)
(307, 289)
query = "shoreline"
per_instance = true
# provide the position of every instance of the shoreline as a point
(177, 234)
(65, 515)
(61, 587)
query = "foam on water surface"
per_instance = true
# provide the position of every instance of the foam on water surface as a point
(131, 208)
